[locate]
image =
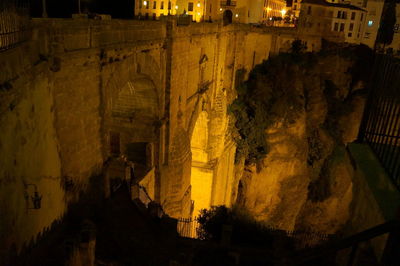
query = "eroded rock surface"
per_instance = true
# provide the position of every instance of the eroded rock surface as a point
(305, 180)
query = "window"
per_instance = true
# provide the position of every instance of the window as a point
(353, 15)
(341, 26)
(154, 16)
(336, 27)
(344, 15)
(370, 23)
(162, 5)
(309, 10)
(155, 5)
(147, 4)
(350, 34)
(362, 16)
(169, 5)
(190, 6)
(140, 4)
(351, 26)
(339, 14)
(396, 28)
(295, 7)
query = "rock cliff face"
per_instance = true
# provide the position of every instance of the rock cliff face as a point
(311, 109)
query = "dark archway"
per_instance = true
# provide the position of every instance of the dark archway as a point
(227, 17)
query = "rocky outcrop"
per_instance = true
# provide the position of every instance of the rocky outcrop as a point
(305, 180)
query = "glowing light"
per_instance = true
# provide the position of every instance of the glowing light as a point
(145, 3)
(283, 11)
(198, 4)
(370, 23)
(176, 7)
(269, 9)
(237, 15)
(220, 9)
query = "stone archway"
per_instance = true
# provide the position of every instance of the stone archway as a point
(136, 100)
(227, 17)
(202, 172)
(130, 123)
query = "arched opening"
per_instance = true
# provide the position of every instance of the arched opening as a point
(136, 100)
(130, 123)
(227, 17)
(201, 172)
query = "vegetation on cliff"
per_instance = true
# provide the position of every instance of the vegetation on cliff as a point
(276, 91)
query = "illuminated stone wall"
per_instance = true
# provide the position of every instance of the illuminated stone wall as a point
(29, 150)
(65, 92)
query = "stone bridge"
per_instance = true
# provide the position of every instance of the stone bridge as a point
(82, 91)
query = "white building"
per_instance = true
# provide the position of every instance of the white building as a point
(333, 19)
(374, 9)
(240, 11)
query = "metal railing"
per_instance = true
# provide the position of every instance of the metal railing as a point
(14, 23)
(381, 122)
(188, 227)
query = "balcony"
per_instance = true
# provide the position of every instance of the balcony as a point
(228, 3)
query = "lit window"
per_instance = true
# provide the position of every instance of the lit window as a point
(370, 23)
(190, 6)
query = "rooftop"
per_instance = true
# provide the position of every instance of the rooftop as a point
(324, 3)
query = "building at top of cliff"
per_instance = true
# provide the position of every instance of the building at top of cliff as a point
(295, 7)
(239, 11)
(336, 19)
(354, 21)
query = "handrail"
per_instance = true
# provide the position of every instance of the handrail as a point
(352, 241)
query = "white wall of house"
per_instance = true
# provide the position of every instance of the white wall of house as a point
(371, 23)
